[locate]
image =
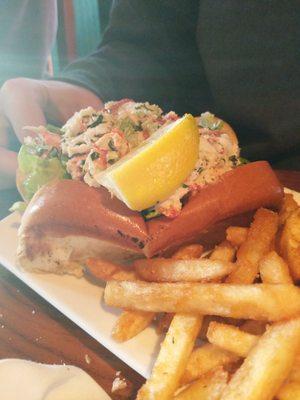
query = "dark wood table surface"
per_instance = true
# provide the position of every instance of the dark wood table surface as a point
(30, 328)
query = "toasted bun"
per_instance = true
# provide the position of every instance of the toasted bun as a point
(238, 191)
(68, 221)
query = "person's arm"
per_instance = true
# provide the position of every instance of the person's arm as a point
(148, 53)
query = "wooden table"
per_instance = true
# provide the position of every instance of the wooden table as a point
(32, 329)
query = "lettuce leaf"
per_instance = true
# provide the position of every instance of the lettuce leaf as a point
(38, 171)
(19, 206)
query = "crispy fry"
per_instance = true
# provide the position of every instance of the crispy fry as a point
(209, 318)
(295, 372)
(273, 269)
(260, 236)
(290, 243)
(105, 270)
(188, 252)
(224, 252)
(236, 235)
(164, 323)
(172, 359)
(170, 270)
(288, 206)
(209, 387)
(254, 327)
(289, 391)
(130, 324)
(267, 365)
(204, 359)
(231, 338)
(259, 301)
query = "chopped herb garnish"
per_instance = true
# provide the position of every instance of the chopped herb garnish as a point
(64, 158)
(97, 122)
(234, 159)
(185, 186)
(243, 161)
(138, 127)
(111, 145)
(111, 161)
(53, 152)
(150, 213)
(54, 129)
(39, 151)
(208, 120)
(94, 156)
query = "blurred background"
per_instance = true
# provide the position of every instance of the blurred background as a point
(40, 37)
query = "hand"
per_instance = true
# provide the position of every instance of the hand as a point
(29, 102)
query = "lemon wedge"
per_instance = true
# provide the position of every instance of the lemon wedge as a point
(155, 169)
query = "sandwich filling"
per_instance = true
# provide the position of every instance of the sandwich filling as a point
(91, 141)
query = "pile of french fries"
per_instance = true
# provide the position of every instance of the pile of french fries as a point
(241, 300)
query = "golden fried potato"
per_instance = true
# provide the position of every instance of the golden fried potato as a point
(172, 358)
(273, 269)
(259, 239)
(130, 324)
(188, 252)
(236, 235)
(209, 386)
(290, 243)
(171, 270)
(289, 205)
(259, 301)
(267, 365)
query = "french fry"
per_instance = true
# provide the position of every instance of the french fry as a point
(290, 243)
(254, 327)
(288, 206)
(295, 372)
(289, 391)
(164, 323)
(236, 235)
(224, 251)
(231, 338)
(172, 359)
(130, 324)
(209, 318)
(259, 301)
(267, 365)
(209, 387)
(205, 359)
(273, 269)
(170, 270)
(260, 236)
(188, 252)
(105, 270)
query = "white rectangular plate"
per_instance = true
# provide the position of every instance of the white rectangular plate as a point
(81, 301)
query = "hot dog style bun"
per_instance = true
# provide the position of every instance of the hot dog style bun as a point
(68, 221)
(140, 183)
